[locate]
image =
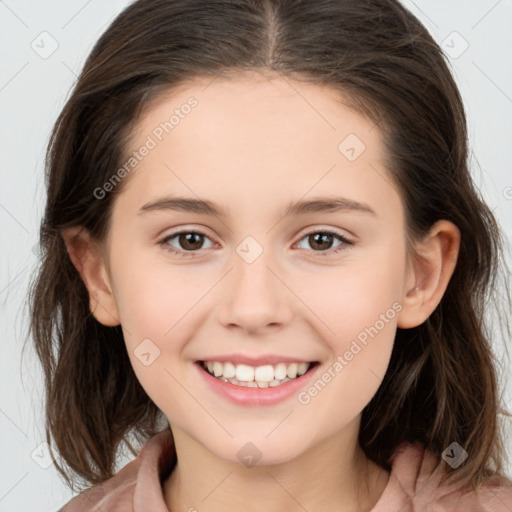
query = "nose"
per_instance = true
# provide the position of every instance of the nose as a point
(254, 296)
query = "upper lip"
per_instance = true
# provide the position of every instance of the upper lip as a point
(256, 361)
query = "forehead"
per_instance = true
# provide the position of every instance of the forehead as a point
(255, 136)
(255, 106)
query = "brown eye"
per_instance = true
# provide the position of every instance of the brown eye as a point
(188, 242)
(191, 241)
(321, 242)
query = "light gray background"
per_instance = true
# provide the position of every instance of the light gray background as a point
(34, 89)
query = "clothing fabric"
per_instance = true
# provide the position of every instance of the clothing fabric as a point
(413, 486)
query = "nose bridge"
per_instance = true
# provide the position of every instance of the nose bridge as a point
(256, 295)
(252, 273)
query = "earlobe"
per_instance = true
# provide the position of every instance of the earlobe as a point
(429, 274)
(87, 256)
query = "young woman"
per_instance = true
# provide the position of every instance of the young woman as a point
(261, 231)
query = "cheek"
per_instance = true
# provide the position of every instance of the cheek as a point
(153, 297)
(360, 352)
(153, 303)
(357, 294)
(359, 305)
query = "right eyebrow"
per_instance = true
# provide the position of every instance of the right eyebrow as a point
(184, 204)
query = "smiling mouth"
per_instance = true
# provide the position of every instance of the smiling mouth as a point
(256, 377)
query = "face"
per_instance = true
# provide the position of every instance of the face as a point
(255, 283)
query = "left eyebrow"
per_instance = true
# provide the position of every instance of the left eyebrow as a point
(201, 206)
(327, 204)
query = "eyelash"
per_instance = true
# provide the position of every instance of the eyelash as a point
(163, 243)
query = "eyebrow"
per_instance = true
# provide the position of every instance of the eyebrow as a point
(201, 206)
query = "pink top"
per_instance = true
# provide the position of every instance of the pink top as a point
(412, 487)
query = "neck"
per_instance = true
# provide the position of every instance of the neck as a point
(332, 475)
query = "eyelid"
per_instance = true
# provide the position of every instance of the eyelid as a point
(180, 228)
(163, 240)
(346, 241)
(318, 228)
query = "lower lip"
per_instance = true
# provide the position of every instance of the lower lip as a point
(242, 395)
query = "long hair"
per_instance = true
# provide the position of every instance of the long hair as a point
(441, 385)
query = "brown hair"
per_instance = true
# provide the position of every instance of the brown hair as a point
(441, 385)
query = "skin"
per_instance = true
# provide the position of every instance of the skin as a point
(252, 145)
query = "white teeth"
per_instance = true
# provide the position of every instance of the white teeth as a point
(229, 370)
(244, 372)
(261, 376)
(280, 371)
(217, 369)
(291, 371)
(301, 370)
(264, 373)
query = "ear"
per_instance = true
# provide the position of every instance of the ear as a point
(88, 258)
(429, 273)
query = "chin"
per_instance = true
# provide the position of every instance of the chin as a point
(256, 452)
